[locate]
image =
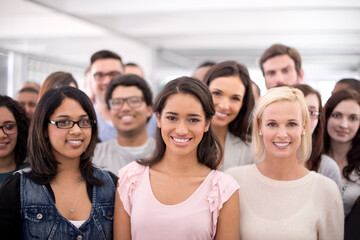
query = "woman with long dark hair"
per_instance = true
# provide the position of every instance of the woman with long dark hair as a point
(178, 194)
(231, 88)
(62, 196)
(342, 141)
(318, 161)
(13, 137)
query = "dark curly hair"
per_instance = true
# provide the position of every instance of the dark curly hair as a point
(22, 122)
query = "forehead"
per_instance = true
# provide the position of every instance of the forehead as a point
(348, 107)
(126, 91)
(106, 65)
(27, 96)
(231, 84)
(69, 106)
(282, 110)
(6, 115)
(278, 62)
(312, 100)
(183, 104)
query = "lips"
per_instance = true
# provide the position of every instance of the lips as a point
(75, 143)
(341, 133)
(281, 145)
(181, 141)
(221, 115)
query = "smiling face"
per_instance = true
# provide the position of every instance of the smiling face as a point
(130, 120)
(343, 122)
(228, 93)
(7, 142)
(281, 126)
(68, 144)
(182, 124)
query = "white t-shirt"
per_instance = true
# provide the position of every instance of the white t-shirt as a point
(308, 208)
(112, 156)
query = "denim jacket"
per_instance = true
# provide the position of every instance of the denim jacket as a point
(41, 219)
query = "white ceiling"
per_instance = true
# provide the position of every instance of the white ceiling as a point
(184, 33)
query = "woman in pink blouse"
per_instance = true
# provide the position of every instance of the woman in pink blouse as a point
(178, 193)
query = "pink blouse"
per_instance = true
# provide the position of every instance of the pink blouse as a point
(194, 218)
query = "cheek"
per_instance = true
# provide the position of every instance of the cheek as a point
(313, 123)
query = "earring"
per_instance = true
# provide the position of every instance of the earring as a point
(260, 133)
(303, 133)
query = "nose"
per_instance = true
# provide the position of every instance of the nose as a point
(344, 122)
(280, 79)
(282, 131)
(181, 128)
(75, 130)
(224, 103)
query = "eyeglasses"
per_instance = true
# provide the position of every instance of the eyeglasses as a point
(98, 76)
(133, 102)
(314, 115)
(9, 128)
(67, 124)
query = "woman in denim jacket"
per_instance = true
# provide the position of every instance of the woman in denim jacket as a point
(62, 196)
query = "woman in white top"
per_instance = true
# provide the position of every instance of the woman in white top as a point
(342, 141)
(231, 88)
(279, 197)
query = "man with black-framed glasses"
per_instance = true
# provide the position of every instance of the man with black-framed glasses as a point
(105, 65)
(129, 100)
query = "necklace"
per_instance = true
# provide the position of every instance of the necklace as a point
(71, 210)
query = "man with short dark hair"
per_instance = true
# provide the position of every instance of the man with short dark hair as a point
(27, 97)
(133, 68)
(105, 65)
(281, 65)
(129, 99)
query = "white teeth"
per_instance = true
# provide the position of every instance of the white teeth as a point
(127, 117)
(281, 144)
(221, 114)
(181, 140)
(75, 141)
(2, 144)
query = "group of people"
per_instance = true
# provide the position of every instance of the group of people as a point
(206, 160)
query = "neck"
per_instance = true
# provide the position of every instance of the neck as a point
(101, 107)
(132, 140)
(339, 150)
(221, 133)
(69, 170)
(7, 164)
(282, 169)
(179, 165)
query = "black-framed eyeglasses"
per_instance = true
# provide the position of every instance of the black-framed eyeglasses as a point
(67, 124)
(133, 102)
(9, 128)
(314, 115)
(98, 76)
